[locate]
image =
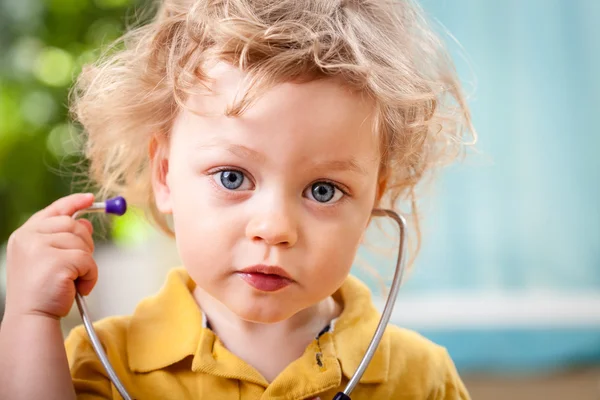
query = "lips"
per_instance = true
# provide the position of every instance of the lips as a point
(265, 278)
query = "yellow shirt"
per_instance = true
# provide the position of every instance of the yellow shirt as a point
(163, 352)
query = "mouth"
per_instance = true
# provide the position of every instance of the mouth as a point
(265, 278)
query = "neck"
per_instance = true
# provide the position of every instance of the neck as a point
(250, 341)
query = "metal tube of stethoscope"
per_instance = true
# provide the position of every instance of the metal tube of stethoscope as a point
(387, 310)
(116, 206)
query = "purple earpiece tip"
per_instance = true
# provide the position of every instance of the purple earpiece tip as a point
(116, 205)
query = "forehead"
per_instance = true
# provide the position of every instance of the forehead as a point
(306, 116)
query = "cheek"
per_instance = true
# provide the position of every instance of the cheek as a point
(193, 211)
(336, 249)
(203, 234)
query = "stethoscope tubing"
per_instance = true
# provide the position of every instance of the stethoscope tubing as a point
(387, 309)
(360, 370)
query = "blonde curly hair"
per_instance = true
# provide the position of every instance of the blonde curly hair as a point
(385, 49)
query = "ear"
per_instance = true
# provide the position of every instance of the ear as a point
(159, 164)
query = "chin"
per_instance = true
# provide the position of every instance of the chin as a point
(261, 310)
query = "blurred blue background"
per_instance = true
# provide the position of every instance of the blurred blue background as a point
(528, 214)
(508, 277)
(519, 224)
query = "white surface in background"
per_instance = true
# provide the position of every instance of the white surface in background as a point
(482, 310)
(128, 274)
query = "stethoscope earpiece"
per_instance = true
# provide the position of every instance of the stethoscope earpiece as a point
(116, 206)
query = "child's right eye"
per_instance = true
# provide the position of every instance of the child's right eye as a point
(232, 179)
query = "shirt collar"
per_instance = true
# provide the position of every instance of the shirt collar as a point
(168, 327)
(165, 328)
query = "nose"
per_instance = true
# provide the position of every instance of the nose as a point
(275, 227)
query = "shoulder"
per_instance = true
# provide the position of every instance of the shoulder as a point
(117, 332)
(112, 333)
(87, 372)
(423, 366)
(409, 346)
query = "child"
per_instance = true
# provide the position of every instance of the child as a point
(260, 134)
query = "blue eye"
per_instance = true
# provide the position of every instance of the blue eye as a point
(324, 192)
(231, 179)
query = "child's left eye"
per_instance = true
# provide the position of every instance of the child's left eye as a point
(324, 192)
(232, 179)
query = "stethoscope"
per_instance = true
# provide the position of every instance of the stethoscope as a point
(118, 206)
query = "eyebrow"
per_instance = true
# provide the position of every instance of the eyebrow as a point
(342, 165)
(237, 150)
(245, 152)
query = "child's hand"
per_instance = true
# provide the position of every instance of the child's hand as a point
(48, 257)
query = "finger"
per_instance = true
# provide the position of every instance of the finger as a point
(69, 225)
(68, 241)
(84, 287)
(85, 270)
(87, 225)
(65, 206)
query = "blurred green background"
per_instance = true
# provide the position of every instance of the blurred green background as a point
(43, 45)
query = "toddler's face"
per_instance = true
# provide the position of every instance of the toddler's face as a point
(290, 183)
